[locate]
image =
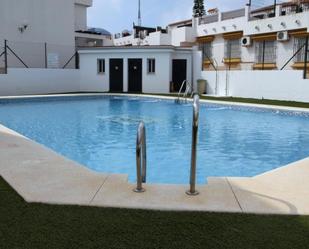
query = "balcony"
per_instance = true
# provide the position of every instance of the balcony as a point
(283, 9)
(233, 14)
(209, 19)
(294, 9)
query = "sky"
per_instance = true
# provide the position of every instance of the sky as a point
(118, 15)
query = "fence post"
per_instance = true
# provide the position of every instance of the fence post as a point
(45, 50)
(263, 59)
(5, 57)
(306, 57)
(76, 60)
(275, 7)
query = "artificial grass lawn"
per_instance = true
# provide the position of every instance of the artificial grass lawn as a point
(251, 101)
(24, 225)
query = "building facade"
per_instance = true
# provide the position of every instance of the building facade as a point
(46, 28)
(242, 39)
(151, 69)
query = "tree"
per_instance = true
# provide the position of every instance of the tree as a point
(198, 8)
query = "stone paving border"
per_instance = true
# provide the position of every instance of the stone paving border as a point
(40, 175)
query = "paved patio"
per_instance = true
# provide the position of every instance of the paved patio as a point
(42, 176)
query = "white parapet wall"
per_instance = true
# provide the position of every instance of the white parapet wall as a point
(286, 85)
(21, 81)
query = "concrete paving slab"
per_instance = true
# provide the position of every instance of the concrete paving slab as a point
(40, 175)
(216, 196)
(255, 196)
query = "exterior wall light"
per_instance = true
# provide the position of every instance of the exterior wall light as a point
(297, 22)
(23, 27)
(205, 31)
(234, 26)
(223, 27)
(214, 29)
(283, 24)
(257, 28)
(270, 26)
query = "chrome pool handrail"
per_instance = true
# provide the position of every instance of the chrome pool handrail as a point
(141, 158)
(196, 111)
(188, 90)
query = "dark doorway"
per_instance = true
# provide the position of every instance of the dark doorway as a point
(179, 74)
(135, 73)
(116, 75)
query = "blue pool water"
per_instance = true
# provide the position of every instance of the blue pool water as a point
(100, 132)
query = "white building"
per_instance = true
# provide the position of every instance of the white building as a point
(240, 53)
(151, 69)
(28, 24)
(270, 34)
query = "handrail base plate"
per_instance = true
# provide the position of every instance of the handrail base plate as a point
(195, 193)
(142, 190)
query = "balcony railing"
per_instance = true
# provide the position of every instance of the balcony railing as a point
(233, 14)
(209, 19)
(294, 9)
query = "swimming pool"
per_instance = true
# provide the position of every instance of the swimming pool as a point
(100, 133)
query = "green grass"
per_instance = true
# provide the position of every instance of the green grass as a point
(24, 225)
(261, 101)
(250, 101)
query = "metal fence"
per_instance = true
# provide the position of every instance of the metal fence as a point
(233, 14)
(16, 54)
(209, 19)
(262, 9)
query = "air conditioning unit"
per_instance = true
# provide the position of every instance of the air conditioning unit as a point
(283, 36)
(246, 41)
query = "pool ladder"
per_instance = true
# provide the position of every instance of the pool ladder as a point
(141, 155)
(141, 158)
(183, 95)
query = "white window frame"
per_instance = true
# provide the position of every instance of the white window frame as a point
(101, 66)
(151, 65)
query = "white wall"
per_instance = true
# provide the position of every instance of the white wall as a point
(220, 27)
(80, 12)
(183, 34)
(20, 81)
(288, 20)
(158, 38)
(49, 21)
(152, 83)
(280, 85)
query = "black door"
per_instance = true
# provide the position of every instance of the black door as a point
(116, 75)
(179, 74)
(135, 75)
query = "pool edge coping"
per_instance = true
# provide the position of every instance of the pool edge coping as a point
(221, 102)
(231, 185)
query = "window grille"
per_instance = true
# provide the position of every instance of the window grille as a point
(232, 49)
(206, 49)
(298, 43)
(265, 53)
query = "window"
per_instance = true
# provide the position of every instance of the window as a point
(206, 49)
(265, 52)
(232, 49)
(298, 43)
(151, 65)
(101, 66)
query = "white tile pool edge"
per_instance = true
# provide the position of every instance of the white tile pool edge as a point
(276, 192)
(272, 107)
